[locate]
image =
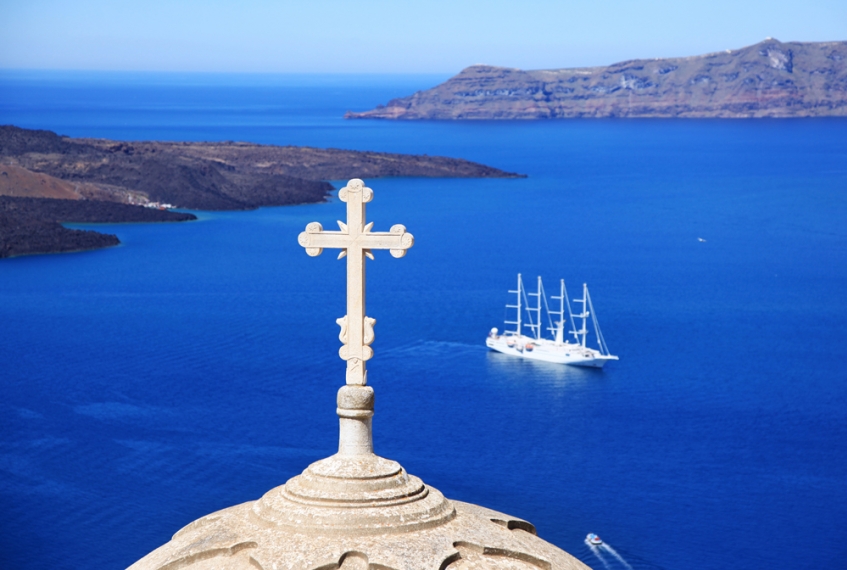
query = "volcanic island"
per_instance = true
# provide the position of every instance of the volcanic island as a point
(47, 179)
(771, 79)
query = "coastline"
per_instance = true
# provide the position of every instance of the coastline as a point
(34, 225)
(770, 79)
(46, 179)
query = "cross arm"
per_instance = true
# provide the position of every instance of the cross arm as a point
(397, 240)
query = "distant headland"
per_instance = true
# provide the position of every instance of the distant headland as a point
(46, 179)
(769, 79)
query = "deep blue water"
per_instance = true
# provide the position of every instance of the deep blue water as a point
(195, 366)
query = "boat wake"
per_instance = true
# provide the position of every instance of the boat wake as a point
(617, 556)
(433, 347)
(596, 551)
(599, 548)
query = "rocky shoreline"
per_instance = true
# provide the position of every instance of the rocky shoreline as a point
(46, 179)
(34, 225)
(768, 79)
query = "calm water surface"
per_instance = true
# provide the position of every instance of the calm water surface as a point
(194, 367)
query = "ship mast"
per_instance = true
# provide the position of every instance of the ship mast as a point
(538, 312)
(583, 315)
(559, 325)
(517, 322)
(535, 327)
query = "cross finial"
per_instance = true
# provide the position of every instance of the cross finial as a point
(356, 241)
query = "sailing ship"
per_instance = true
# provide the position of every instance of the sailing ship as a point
(558, 349)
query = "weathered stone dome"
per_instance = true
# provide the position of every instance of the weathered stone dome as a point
(356, 510)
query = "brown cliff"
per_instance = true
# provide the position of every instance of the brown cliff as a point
(769, 79)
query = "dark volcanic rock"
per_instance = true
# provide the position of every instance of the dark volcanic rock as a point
(15, 141)
(33, 225)
(769, 79)
(27, 236)
(158, 172)
(89, 211)
(213, 176)
(100, 177)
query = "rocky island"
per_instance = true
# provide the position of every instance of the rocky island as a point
(769, 79)
(46, 179)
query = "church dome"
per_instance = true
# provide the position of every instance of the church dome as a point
(356, 510)
(357, 513)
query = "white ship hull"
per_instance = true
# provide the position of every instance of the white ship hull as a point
(557, 350)
(548, 351)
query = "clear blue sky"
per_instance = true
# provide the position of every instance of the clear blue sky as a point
(413, 36)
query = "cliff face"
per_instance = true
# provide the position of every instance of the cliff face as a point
(769, 79)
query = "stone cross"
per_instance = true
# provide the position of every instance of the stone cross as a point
(356, 241)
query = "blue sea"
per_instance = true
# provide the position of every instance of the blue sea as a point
(195, 366)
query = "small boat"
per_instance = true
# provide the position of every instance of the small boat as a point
(593, 539)
(557, 350)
